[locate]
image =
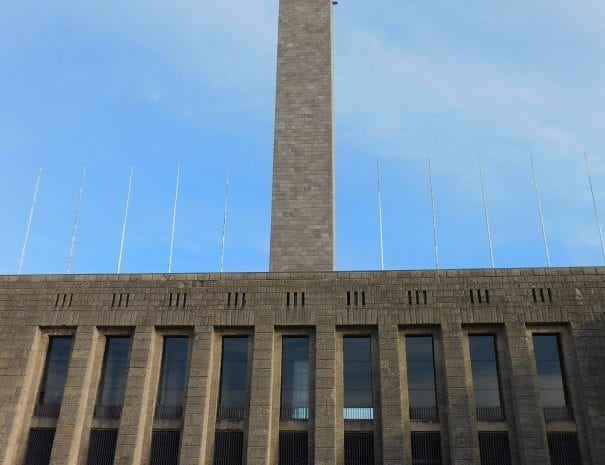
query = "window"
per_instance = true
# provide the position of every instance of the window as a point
(228, 448)
(55, 374)
(551, 383)
(293, 448)
(494, 448)
(295, 378)
(359, 448)
(39, 446)
(102, 448)
(173, 377)
(233, 401)
(165, 447)
(421, 378)
(113, 382)
(357, 378)
(426, 449)
(564, 449)
(486, 384)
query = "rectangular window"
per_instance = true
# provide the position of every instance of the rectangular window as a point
(494, 448)
(295, 378)
(102, 448)
(39, 446)
(233, 402)
(55, 374)
(421, 378)
(426, 449)
(113, 381)
(359, 448)
(228, 448)
(564, 449)
(486, 384)
(173, 378)
(357, 356)
(293, 448)
(165, 447)
(551, 382)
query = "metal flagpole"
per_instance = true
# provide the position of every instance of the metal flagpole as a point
(434, 216)
(176, 199)
(125, 220)
(594, 204)
(380, 215)
(29, 222)
(225, 218)
(539, 202)
(70, 255)
(486, 214)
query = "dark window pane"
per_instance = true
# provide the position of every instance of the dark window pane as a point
(357, 374)
(420, 371)
(494, 449)
(228, 448)
(39, 446)
(564, 449)
(174, 371)
(357, 349)
(359, 448)
(102, 447)
(295, 377)
(551, 382)
(115, 371)
(55, 373)
(419, 348)
(165, 447)
(426, 449)
(293, 448)
(483, 348)
(486, 382)
(234, 373)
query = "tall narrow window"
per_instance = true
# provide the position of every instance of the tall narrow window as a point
(39, 446)
(173, 378)
(233, 401)
(551, 382)
(357, 378)
(295, 378)
(421, 378)
(426, 448)
(55, 374)
(165, 447)
(102, 447)
(113, 382)
(486, 384)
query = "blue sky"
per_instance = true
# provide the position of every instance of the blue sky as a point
(151, 84)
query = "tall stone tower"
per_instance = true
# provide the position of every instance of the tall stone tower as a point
(302, 219)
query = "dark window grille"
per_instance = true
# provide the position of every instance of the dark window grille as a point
(293, 448)
(490, 414)
(165, 447)
(564, 449)
(108, 411)
(228, 448)
(47, 411)
(294, 413)
(494, 449)
(102, 447)
(174, 413)
(558, 414)
(426, 449)
(424, 413)
(232, 413)
(39, 446)
(359, 448)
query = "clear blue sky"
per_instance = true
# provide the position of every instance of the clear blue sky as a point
(118, 83)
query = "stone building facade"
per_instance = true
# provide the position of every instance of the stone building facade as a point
(387, 307)
(304, 365)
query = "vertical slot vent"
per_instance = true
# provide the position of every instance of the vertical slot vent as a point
(480, 296)
(295, 299)
(121, 299)
(64, 300)
(177, 299)
(356, 298)
(541, 295)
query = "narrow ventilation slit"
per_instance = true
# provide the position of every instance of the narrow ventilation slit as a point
(184, 299)
(127, 299)
(113, 300)
(228, 299)
(64, 299)
(479, 296)
(487, 296)
(348, 298)
(410, 297)
(425, 297)
(356, 298)
(170, 300)
(417, 297)
(178, 299)
(549, 295)
(236, 298)
(57, 301)
(542, 295)
(363, 298)
(120, 301)
(120, 298)
(472, 296)
(302, 299)
(533, 293)
(288, 300)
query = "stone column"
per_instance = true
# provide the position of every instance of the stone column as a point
(327, 447)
